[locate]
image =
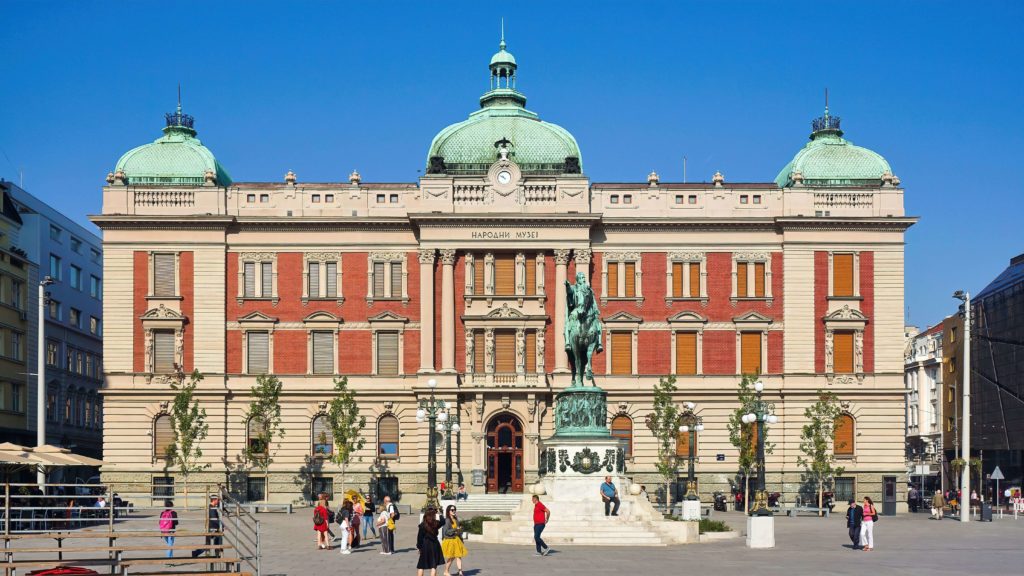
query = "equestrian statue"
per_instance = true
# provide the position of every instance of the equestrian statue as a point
(582, 329)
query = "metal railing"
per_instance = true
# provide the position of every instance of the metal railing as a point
(28, 509)
(241, 530)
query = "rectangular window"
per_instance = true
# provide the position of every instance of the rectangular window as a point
(750, 350)
(75, 317)
(264, 198)
(329, 198)
(387, 353)
(531, 277)
(677, 279)
(396, 280)
(163, 351)
(323, 352)
(94, 325)
(757, 198)
(88, 370)
(504, 351)
(504, 274)
(479, 365)
(95, 287)
(679, 199)
(313, 274)
(692, 199)
(615, 199)
(331, 270)
(741, 279)
(17, 350)
(842, 275)
(842, 356)
(630, 273)
(267, 279)
(95, 255)
(622, 353)
(256, 489)
(394, 198)
(16, 395)
(694, 279)
(844, 489)
(686, 353)
(16, 290)
(52, 353)
(257, 352)
(613, 279)
(531, 351)
(250, 198)
(759, 279)
(249, 272)
(54, 309)
(76, 277)
(55, 233)
(744, 199)
(316, 198)
(378, 279)
(163, 275)
(627, 199)
(380, 198)
(55, 267)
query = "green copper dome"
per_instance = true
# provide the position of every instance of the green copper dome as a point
(830, 160)
(471, 146)
(176, 158)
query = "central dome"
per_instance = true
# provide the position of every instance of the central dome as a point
(471, 146)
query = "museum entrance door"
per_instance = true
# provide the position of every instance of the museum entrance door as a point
(504, 454)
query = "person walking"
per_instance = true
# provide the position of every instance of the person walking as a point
(369, 522)
(452, 546)
(541, 515)
(938, 505)
(320, 523)
(854, 519)
(168, 524)
(426, 542)
(610, 495)
(213, 526)
(867, 525)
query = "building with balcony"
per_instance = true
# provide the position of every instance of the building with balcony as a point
(17, 326)
(459, 277)
(923, 376)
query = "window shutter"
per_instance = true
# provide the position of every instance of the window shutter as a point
(314, 279)
(843, 440)
(332, 279)
(323, 438)
(622, 353)
(842, 274)
(531, 351)
(396, 279)
(250, 280)
(630, 280)
(258, 352)
(387, 437)
(842, 353)
(387, 353)
(694, 279)
(683, 443)
(323, 352)
(163, 436)
(622, 427)
(267, 279)
(479, 352)
(504, 274)
(163, 275)
(750, 360)
(759, 279)
(479, 267)
(686, 353)
(677, 279)
(613, 280)
(531, 276)
(378, 279)
(741, 279)
(163, 351)
(504, 351)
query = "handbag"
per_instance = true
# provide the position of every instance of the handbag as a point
(391, 524)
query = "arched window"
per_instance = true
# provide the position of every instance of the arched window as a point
(387, 437)
(622, 428)
(163, 437)
(842, 440)
(254, 429)
(323, 438)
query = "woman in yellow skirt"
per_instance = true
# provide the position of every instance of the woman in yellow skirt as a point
(451, 540)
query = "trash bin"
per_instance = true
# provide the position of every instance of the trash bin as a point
(64, 570)
(986, 512)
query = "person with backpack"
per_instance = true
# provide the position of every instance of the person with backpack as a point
(385, 524)
(168, 524)
(867, 526)
(320, 524)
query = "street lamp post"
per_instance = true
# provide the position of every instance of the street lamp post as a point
(434, 411)
(761, 414)
(965, 428)
(41, 374)
(449, 427)
(696, 424)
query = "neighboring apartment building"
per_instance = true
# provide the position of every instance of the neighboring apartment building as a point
(459, 277)
(73, 257)
(923, 375)
(17, 273)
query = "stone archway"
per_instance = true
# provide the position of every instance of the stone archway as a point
(504, 442)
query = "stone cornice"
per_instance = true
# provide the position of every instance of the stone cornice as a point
(546, 220)
(134, 222)
(876, 224)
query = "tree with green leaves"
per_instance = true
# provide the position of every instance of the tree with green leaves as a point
(188, 424)
(346, 426)
(816, 442)
(263, 418)
(664, 423)
(744, 436)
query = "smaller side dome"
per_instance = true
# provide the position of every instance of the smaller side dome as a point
(830, 160)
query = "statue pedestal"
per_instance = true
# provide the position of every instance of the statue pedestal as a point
(691, 510)
(760, 532)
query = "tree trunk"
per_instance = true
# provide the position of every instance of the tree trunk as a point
(668, 497)
(344, 466)
(746, 493)
(185, 478)
(821, 489)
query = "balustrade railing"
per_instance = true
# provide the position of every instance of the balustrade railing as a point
(165, 198)
(843, 199)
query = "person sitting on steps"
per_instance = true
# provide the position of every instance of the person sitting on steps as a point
(610, 495)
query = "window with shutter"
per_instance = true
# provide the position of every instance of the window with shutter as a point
(163, 351)
(683, 443)
(504, 274)
(842, 275)
(323, 438)
(622, 353)
(479, 267)
(531, 351)
(163, 275)
(694, 279)
(267, 279)
(686, 353)
(387, 437)
(387, 353)
(249, 275)
(759, 279)
(842, 353)
(479, 352)
(531, 277)
(843, 440)
(630, 273)
(750, 353)
(741, 279)
(332, 279)
(396, 280)
(378, 279)
(313, 277)
(163, 437)
(257, 352)
(622, 428)
(323, 352)
(677, 279)
(504, 351)
(613, 280)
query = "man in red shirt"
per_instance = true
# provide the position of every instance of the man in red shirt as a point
(541, 514)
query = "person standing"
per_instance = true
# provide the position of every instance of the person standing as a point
(213, 526)
(384, 522)
(867, 525)
(854, 519)
(369, 522)
(346, 531)
(452, 546)
(357, 519)
(610, 495)
(938, 505)
(168, 524)
(427, 544)
(541, 515)
(912, 498)
(320, 523)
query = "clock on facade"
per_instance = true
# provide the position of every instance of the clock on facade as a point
(504, 177)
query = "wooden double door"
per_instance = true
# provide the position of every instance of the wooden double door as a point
(504, 454)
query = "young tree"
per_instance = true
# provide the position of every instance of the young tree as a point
(664, 423)
(346, 426)
(188, 423)
(744, 436)
(816, 442)
(263, 419)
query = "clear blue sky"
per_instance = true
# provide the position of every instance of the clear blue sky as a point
(322, 88)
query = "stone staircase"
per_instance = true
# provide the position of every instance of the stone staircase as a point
(488, 504)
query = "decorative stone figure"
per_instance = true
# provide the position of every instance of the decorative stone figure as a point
(828, 351)
(582, 329)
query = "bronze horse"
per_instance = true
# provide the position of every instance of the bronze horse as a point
(582, 329)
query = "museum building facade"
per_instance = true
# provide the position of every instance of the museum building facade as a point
(459, 279)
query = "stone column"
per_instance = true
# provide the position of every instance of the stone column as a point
(427, 310)
(561, 267)
(448, 310)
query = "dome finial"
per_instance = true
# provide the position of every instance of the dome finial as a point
(501, 45)
(179, 97)
(826, 124)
